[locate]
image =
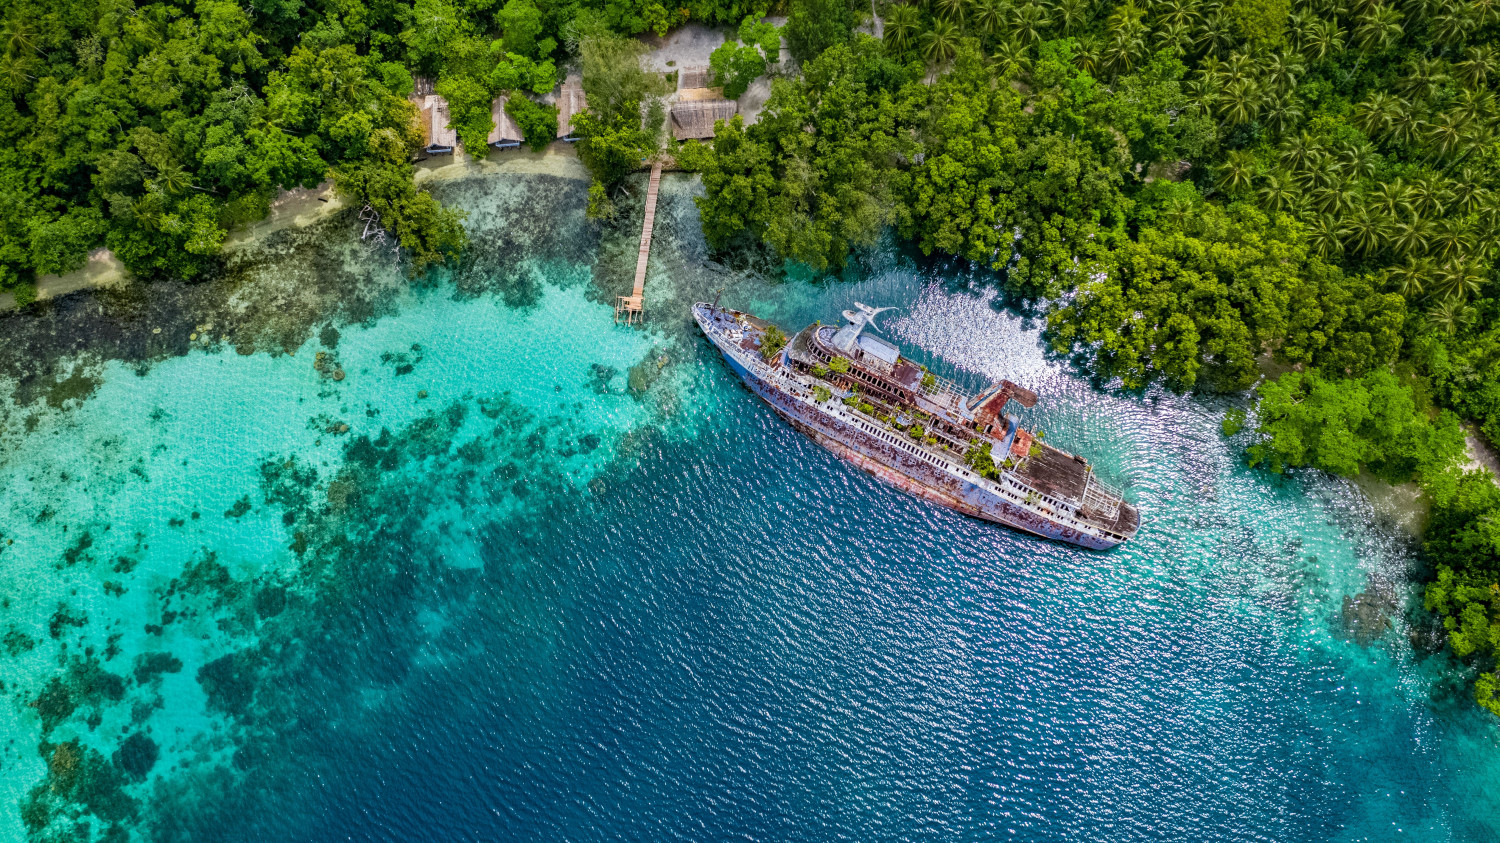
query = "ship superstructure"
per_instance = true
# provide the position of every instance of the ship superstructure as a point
(856, 395)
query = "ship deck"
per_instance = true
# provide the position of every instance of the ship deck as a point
(1055, 473)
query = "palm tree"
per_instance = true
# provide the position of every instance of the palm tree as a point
(1177, 12)
(1011, 57)
(940, 43)
(1411, 277)
(1450, 27)
(1424, 78)
(1450, 315)
(1377, 114)
(1217, 34)
(1378, 30)
(1179, 211)
(1406, 131)
(1364, 232)
(1453, 240)
(1283, 113)
(172, 179)
(1300, 153)
(901, 26)
(989, 17)
(1457, 279)
(1237, 171)
(1323, 237)
(1240, 102)
(1392, 198)
(1334, 200)
(1475, 105)
(1410, 237)
(1446, 136)
(1087, 55)
(1323, 39)
(1278, 193)
(18, 35)
(1283, 70)
(1478, 66)
(1429, 196)
(1468, 195)
(953, 10)
(1485, 12)
(1242, 65)
(1071, 14)
(1120, 52)
(1175, 38)
(1359, 160)
(1028, 23)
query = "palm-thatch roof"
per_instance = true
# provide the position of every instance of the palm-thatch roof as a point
(696, 119)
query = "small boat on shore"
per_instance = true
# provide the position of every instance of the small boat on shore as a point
(856, 395)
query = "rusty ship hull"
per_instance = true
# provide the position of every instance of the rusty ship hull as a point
(862, 441)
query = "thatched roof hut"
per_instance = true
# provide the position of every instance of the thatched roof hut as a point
(570, 101)
(437, 137)
(695, 119)
(506, 134)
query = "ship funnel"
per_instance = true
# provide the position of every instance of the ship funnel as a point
(990, 404)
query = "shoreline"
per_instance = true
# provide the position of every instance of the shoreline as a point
(301, 208)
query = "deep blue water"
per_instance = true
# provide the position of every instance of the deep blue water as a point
(517, 600)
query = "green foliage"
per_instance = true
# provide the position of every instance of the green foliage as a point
(815, 25)
(538, 123)
(838, 364)
(1233, 423)
(929, 381)
(428, 232)
(1463, 542)
(772, 342)
(523, 25)
(153, 128)
(693, 156)
(469, 104)
(814, 177)
(1261, 23)
(613, 140)
(1344, 426)
(734, 67)
(821, 393)
(983, 463)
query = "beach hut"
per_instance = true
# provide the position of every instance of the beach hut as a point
(506, 134)
(695, 119)
(570, 101)
(437, 137)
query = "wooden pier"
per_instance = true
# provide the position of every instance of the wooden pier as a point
(630, 306)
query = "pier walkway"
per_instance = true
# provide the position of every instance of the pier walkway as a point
(630, 306)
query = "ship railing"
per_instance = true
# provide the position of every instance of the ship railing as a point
(1009, 487)
(1100, 497)
(942, 387)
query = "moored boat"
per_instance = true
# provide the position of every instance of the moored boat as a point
(856, 395)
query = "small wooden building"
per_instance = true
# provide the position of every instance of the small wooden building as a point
(570, 101)
(506, 134)
(695, 119)
(438, 138)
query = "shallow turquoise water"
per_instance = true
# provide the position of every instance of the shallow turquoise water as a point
(517, 598)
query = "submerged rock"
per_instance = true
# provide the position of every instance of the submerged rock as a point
(1367, 615)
